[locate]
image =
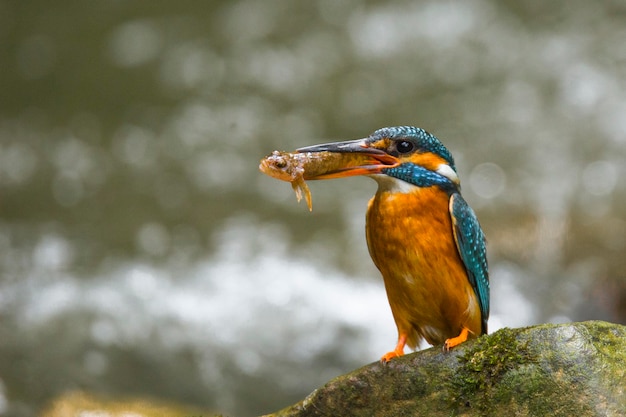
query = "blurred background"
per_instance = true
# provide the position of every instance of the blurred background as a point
(142, 254)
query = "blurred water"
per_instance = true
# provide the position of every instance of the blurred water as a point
(142, 253)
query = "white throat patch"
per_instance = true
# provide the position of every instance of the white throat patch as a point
(394, 185)
(447, 171)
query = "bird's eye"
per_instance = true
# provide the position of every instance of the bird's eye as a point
(404, 146)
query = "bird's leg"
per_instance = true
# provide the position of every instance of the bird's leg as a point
(398, 351)
(455, 341)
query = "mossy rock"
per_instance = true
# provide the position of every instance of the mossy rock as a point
(576, 369)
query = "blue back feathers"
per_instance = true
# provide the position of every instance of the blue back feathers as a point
(470, 242)
(423, 140)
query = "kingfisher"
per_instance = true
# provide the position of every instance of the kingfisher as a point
(422, 236)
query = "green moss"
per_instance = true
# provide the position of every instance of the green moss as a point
(483, 367)
(513, 373)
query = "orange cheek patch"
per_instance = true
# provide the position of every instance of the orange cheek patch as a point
(381, 144)
(428, 160)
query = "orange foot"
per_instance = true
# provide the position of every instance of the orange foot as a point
(398, 351)
(455, 341)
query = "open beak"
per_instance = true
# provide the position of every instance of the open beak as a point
(358, 158)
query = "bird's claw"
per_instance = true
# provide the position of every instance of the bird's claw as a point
(455, 341)
(390, 355)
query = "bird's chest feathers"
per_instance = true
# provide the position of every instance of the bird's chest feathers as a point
(409, 231)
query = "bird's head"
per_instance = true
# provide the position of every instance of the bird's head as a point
(406, 154)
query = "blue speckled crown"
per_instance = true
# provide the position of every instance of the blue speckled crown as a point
(424, 140)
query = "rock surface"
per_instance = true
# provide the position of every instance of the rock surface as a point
(576, 369)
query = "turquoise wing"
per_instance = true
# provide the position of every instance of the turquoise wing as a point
(470, 242)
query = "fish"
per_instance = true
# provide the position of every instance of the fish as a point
(292, 167)
(296, 167)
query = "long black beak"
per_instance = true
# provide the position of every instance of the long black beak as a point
(352, 146)
(357, 145)
(359, 159)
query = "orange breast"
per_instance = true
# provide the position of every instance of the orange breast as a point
(410, 239)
